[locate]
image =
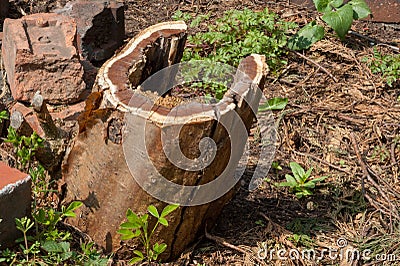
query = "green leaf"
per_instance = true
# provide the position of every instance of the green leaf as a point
(274, 104)
(52, 247)
(322, 5)
(308, 173)
(159, 248)
(336, 3)
(3, 115)
(124, 231)
(326, 5)
(153, 211)
(297, 171)
(303, 193)
(139, 254)
(307, 36)
(69, 211)
(340, 20)
(309, 184)
(163, 221)
(127, 234)
(65, 246)
(133, 217)
(135, 260)
(291, 180)
(360, 8)
(168, 209)
(129, 225)
(319, 179)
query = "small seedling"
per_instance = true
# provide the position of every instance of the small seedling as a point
(276, 166)
(23, 225)
(3, 115)
(387, 65)
(137, 227)
(300, 182)
(26, 147)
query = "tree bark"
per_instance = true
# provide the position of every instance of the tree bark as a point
(96, 170)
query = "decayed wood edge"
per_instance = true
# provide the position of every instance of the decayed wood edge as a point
(136, 47)
(251, 74)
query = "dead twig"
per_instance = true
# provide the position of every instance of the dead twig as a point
(371, 180)
(323, 161)
(315, 63)
(223, 242)
(279, 232)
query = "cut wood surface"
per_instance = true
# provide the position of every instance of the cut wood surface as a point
(96, 170)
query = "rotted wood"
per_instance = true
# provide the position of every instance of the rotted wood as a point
(96, 171)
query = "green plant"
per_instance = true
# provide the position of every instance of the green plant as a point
(25, 146)
(90, 256)
(300, 182)
(49, 219)
(273, 104)
(179, 15)
(387, 65)
(276, 166)
(3, 115)
(137, 227)
(239, 33)
(336, 14)
(23, 225)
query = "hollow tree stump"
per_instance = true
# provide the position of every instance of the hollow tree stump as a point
(96, 170)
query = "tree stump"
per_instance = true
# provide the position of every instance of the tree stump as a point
(110, 178)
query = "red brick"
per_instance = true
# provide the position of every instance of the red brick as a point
(101, 26)
(40, 53)
(15, 202)
(68, 113)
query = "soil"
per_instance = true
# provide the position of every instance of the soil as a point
(343, 121)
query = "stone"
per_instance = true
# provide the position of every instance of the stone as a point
(40, 54)
(100, 24)
(29, 122)
(15, 202)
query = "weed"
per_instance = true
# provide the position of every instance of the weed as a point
(25, 146)
(336, 14)
(237, 34)
(387, 65)
(300, 182)
(276, 166)
(137, 227)
(3, 115)
(23, 225)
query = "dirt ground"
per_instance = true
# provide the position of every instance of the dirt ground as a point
(341, 119)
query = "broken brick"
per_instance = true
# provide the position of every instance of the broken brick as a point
(15, 202)
(100, 25)
(40, 54)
